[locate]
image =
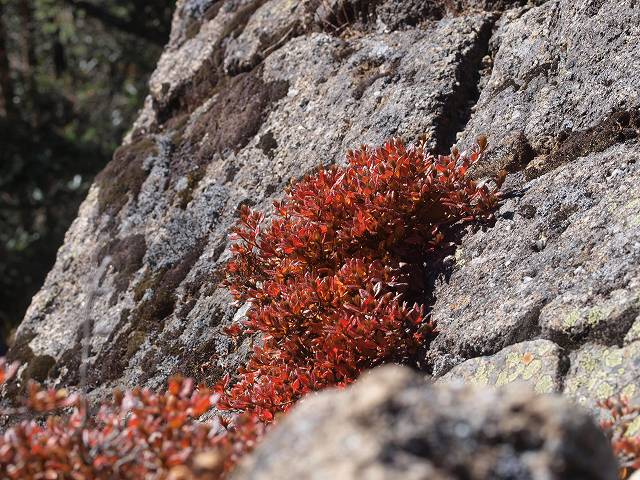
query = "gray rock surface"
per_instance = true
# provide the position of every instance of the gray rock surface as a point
(392, 425)
(598, 372)
(559, 68)
(238, 108)
(562, 262)
(538, 362)
(251, 94)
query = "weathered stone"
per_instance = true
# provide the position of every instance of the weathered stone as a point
(212, 138)
(598, 372)
(570, 318)
(560, 67)
(538, 363)
(252, 94)
(271, 26)
(562, 262)
(633, 335)
(393, 425)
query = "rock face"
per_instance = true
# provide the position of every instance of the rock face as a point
(392, 425)
(562, 262)
(538, 362)
(251, 94)
(247, 96)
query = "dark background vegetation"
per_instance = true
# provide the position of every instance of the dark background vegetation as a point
(73, 74)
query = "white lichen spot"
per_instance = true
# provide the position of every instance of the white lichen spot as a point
(595, 316)
(571, 319)
(459, 257)
(571, 386)
(532, 369)
(481, 376)
(604, 391)
(629, 391)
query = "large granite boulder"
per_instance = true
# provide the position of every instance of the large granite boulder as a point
(393, 425)
(252, 94)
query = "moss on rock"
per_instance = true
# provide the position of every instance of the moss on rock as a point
(123, 177)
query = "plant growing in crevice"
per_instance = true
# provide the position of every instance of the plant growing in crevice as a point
(335, 280)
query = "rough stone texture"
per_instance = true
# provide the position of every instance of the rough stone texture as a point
(251, 94)
(598, 372)
(247, 96)
(562, 66)
(538, 362)
(392, 425)
(562, 262)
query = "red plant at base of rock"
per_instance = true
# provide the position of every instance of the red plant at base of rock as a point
(625, 442)
(139, 434)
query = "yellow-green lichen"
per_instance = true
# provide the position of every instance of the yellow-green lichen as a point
(633, 430)
(592, 316)
(532, 369)
(545, 348)
(545, 384)
(481, 376)
(571, 386)
(513, 359)
(613, 358)
(629, 212)
(601, 373)
(519, 366)
(533, 362)
(596, 315)
(588, 363)
(571, 319)
(604, 390)
(629, 390)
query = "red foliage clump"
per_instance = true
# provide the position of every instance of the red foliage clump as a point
(333, 278)
(626, 445)
(139, 434)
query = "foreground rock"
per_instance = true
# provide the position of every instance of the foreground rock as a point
(393, 425)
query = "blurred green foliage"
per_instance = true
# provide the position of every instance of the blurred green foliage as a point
(73, 74)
